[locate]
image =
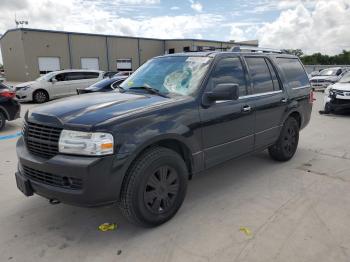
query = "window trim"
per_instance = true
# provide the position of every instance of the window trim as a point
(217, 61)
(251, 79)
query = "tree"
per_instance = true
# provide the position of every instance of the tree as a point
(296, 52)
(319, 59)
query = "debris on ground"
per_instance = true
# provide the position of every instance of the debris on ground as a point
(107, 227)
(246, 231)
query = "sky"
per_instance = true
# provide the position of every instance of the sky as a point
(311, 25)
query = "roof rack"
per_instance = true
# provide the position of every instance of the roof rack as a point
(254, 49)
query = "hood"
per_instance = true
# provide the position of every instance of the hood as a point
(341, 86)
(329, 78)
(25, 84)
(90, 109)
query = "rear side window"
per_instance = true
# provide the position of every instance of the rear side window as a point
(74, 76)
(229, 70)
(90, 75)
(260, 75)
(293, 72)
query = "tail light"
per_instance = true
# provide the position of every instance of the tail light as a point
(311, 97)
(7, 93)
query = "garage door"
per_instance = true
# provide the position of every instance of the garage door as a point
(48, 64)
(124, 64)
(90, 63)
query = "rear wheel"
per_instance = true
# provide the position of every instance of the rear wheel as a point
(2, 120)
(40, 96)
(154, 188)
(286, 145)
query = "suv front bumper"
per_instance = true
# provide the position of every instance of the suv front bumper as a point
(76, 180)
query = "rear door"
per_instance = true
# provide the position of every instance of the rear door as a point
(269, 98)
(227, 126)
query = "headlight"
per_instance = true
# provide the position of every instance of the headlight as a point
(85, 143)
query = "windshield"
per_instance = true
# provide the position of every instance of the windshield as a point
(176, 74)
(329, 72)
(345, 78)
(46, 77)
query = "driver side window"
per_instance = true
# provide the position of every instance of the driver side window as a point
(228, 71)
(60, 77)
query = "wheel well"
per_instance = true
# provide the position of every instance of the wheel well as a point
(297, 117)
(4, 112)
(41, 90)
(176, 146)
(179, 148)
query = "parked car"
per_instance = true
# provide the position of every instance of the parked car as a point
(109, 74)
(337, 96)
(176, 116)
(105, 85)
(124, 73)
(327, 77)
(9, 107)
(56, 84)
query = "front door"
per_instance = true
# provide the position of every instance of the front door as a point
(227, 126)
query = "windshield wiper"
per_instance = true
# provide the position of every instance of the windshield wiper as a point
(149, 89)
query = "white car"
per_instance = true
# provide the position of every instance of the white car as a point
(337, 96)
(56, 84)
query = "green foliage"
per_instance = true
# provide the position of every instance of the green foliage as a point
(297, 52)
(319, 59)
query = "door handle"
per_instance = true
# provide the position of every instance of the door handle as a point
(284, 100)
(246, 108)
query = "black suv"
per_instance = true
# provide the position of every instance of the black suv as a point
(176, 116)
(10, 109)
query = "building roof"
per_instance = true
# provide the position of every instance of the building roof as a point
(108, 35)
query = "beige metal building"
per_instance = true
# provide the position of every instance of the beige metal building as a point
(28, 53)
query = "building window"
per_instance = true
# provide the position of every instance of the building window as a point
(171, 51)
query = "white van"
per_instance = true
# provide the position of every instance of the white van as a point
(57, 84)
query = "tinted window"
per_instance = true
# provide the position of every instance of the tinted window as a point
(229, 70)
(74, 76)
(61, 77)
(89, 75)
(260, 74)
(276, 84)
(293, 72)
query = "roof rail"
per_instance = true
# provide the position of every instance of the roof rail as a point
(254, 49)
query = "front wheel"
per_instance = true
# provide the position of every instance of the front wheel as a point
(287, 143)
(40, 96)
(154, 188)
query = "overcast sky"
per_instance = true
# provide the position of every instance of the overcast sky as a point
(312, 25)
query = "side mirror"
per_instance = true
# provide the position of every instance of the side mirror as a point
(53, 80)
(221, 92)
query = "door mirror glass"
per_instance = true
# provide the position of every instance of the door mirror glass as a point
(221, 92)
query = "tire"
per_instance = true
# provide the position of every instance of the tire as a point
(287, 143)
(327, 108)
(154, 188)
(40, 96)
(2, 120)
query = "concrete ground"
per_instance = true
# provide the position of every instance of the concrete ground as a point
(296, 211)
